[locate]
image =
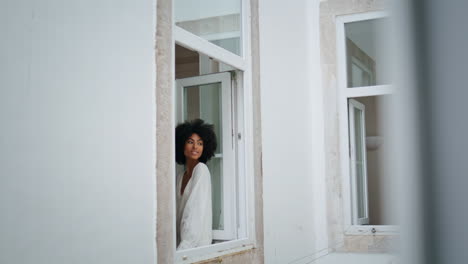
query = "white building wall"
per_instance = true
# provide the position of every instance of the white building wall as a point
(292, 127)
(77, 131)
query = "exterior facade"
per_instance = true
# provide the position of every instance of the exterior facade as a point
(101, 87)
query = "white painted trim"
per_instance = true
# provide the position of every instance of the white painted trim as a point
(352, 106)
(345, 160)
(239, 135)
(212, 251)
(352, 169)
(229, 168)
(368, 91)
(372, 230)
(223, 78)
(247, 122)
(361, 16)
(193, 42)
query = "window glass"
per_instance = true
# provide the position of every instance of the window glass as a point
(214, 165)
(231, 44)
(218, 21)
(367, 52)
(203, 101)
(360, 176)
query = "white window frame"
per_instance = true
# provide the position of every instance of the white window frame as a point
(243, 109)
(229, 169)
(352, 105)
(345, 93)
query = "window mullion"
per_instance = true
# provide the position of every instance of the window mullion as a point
(368, 91)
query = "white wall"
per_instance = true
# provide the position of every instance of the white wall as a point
(77, 132)
(292, 127)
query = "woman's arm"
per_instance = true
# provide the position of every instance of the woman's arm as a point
(196, 222)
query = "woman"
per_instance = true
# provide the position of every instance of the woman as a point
(195, 145)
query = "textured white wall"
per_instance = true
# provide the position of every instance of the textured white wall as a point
(77, 131)
(292, 127)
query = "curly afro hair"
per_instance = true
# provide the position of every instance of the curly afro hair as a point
(197, 126)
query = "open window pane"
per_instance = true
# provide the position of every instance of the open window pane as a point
(203, 101)
(373, 185)
(209, 97)
(367, 52)
(358, 169)
(359, 163)
(216, 21)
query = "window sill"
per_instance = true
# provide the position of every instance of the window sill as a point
(213, 251)
(372, 230)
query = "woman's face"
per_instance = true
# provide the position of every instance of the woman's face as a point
(193, 147)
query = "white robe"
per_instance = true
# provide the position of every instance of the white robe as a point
(194, 211)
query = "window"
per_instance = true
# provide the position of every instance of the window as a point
(365, 89)
(358, 161)
(216, 21)
(212, 70)
(209, 97)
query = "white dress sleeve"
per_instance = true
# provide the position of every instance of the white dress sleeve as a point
(196, 221)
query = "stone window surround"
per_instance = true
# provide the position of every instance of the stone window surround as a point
(338, 239)
(165, 141)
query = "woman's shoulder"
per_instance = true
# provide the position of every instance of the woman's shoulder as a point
(201, 167)
(201, 175)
